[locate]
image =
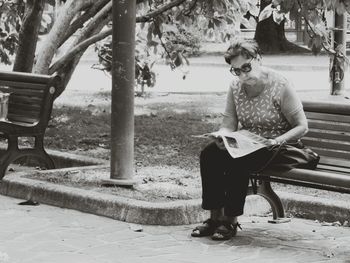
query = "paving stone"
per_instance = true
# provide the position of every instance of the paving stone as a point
(51, 234)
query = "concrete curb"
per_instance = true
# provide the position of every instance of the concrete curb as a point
(180, 212)
(316, 208)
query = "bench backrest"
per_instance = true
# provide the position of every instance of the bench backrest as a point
(329, 131)
(31, 96)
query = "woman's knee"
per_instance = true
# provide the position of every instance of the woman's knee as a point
(209, 151)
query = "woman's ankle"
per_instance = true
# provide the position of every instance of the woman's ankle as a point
(216, 214)
(231, 219)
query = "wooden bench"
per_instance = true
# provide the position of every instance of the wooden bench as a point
(29, 110)
(329, 136)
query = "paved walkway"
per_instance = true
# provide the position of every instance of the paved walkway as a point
(35, 234)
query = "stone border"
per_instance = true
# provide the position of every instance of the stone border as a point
(179, 212)
(116, 207)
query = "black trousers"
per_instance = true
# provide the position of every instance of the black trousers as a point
(225, 180)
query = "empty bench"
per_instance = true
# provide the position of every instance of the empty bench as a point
(29, 110)
(329, 136)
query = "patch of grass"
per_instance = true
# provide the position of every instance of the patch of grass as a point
(162, 138)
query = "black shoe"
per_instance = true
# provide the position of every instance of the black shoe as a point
(206, 229)
(225, 231)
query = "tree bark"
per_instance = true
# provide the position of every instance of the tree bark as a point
(28, 36)
(50, 46)
(79, 21)
(67, 64)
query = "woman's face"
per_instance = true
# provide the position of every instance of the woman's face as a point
(246, 69)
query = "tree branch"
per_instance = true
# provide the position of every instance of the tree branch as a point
(67, 70)
(86, 43)
(93, 39)
(79, 22)
(50, 45)
(158, 11)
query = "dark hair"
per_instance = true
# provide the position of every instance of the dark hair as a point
(242, 47)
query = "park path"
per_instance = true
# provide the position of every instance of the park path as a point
(35, 234)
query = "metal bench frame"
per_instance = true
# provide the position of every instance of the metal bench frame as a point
(329, 136)
(29, 111)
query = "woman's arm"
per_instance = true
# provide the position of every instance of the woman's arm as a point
(299, 125)
(292, 109)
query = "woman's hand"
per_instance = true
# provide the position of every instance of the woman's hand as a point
(272, 142)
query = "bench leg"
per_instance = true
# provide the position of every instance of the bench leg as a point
(265, 190)
(9, 156)
(41, 153)
(12, 153)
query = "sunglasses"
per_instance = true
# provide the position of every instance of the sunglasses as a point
(246, 67)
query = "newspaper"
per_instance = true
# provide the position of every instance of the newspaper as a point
(239, 143)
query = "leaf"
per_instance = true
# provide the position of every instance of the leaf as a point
(266, 13)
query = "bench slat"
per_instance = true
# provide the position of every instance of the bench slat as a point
(15, 98)
(312, 176)
(327, 144)
(26, 77)
(334, 169)
(331, 153)
(332, 126)
(326, 107)
(327, 117)
(29, 92)
(330, 161)
(21, 118)
(25, 113)
(28, 85)
(328, 135)
(13, 107)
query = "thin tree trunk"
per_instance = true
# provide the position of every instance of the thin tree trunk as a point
(51, 44)
(28, 36)
(79, 22)
(92, 29)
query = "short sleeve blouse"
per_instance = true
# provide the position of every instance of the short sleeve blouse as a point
(266, 113)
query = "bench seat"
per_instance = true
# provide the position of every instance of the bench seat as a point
(329, 136)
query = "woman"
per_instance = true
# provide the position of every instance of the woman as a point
(259, 100)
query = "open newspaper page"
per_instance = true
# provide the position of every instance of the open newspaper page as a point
(239, 143)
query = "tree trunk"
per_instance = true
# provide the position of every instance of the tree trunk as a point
(50, 46)
(271, 36)
(28, 36)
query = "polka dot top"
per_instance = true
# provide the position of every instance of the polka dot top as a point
(266, 113)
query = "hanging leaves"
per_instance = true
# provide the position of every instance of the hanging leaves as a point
(10, 22)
